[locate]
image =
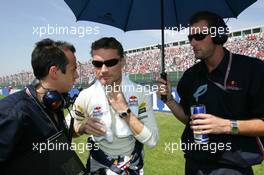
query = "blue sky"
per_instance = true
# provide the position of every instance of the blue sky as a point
(21, 20)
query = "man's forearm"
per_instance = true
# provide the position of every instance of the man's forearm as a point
(253, 127)
(134, 124)
(177, 111)
(143, 133)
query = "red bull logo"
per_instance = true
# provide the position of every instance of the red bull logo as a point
(133, 101)
(97, 111)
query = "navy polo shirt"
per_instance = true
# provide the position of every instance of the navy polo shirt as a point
(242, 98)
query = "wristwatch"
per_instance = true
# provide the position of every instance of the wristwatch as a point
(125, 114)
(234, 127)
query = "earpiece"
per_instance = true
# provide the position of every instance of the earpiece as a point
(220, 37)
(53, 100)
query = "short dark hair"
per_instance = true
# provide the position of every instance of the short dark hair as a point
(212, 19)
(65, 46)
(46, 54)
(108, 43)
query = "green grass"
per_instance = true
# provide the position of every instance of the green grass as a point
(159, 160)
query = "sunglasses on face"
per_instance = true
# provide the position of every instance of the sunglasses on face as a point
(107, 63)
(197, 36)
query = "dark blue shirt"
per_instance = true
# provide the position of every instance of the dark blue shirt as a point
(23, 124)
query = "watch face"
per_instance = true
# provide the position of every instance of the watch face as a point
(124, 114)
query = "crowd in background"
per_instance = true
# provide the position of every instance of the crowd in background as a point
(177, 58)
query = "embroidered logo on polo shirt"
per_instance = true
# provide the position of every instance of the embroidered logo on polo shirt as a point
(201, 90)
(142, 108)
(97, 111)
(79, 111)
(133, 101)
(233, 85)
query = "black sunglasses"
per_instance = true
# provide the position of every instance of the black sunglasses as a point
(197, 36)
(107, 63)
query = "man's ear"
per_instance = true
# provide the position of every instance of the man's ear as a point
(53, 71)
(123, 62)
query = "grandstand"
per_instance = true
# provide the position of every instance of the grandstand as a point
(143, 64)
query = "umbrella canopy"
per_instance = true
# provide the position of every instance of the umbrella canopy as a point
(146, 14)
(152, 14)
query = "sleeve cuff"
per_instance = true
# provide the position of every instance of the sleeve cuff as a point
(144, 135)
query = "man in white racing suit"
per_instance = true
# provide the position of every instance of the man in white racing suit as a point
(116, 113)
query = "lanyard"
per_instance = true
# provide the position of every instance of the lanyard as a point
(224, 87)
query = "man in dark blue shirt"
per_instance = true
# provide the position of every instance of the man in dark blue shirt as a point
(231, 87)
(29, 117)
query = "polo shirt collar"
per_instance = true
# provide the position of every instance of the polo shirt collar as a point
(220, 68)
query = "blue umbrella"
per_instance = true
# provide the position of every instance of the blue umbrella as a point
(152, 14)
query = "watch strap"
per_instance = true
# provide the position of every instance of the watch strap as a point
(234, 127)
